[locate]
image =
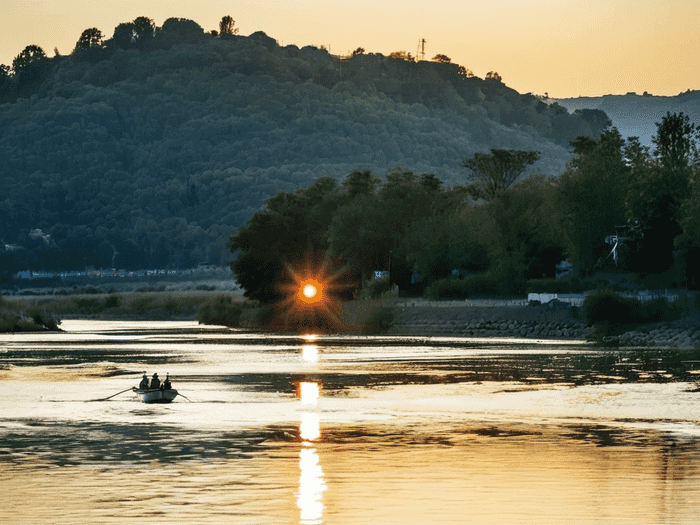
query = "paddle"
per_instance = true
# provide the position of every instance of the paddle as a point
(110, 397)
(179, 394)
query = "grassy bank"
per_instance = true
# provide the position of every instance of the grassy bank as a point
(150, 305)
(15, 317)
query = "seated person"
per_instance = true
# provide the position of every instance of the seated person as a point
(155, 382)
(166, 383)
(143, 385)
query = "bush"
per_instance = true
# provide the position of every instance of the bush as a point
(380, 320)
(375, 288)
(612, 314)
(472, 286)
(112, 302)
(226, 312)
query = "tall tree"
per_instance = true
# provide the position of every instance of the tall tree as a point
(658, 192)
(591, 196)
(89, 38)
(492, 173)
(29, 55)
(226, 26)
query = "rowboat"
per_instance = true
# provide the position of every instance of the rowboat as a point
(155, 395)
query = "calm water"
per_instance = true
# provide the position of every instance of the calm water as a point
(343, 430)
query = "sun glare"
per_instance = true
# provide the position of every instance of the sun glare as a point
(312, 297)
(309, 290)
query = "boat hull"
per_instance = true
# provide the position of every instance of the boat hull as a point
(156, 396)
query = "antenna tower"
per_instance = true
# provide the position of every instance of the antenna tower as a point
(421, 48)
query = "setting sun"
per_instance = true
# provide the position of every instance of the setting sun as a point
(309, 290)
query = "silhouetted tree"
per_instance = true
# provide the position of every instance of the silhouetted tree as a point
(443, 59)
(124, 35)
(402, 55)
(29, 55)
(226, 26)
(494, 172)
(358, 51)
(89, 38)
(464, 72)
(658, 192)
(492, 75)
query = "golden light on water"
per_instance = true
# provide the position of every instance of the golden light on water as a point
(311, 481)
(309, 353)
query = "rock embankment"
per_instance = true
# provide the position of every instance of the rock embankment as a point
(684, 333)
(553, 320)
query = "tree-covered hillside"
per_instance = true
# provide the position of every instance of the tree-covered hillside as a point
(151, 148)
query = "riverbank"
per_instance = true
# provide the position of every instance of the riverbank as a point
(554, 320)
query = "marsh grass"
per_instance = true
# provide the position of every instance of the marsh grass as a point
(181, 305)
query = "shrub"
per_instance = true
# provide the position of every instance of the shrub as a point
(612, 314)
(112, 302)
(575, 312)
(606, 306)
(375, 288)
(472, 286)
(220, 311)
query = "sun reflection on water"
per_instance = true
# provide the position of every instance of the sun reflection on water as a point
(309, 353)
(311, 482)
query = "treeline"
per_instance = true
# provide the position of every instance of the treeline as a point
(497, 233)
(148, 148)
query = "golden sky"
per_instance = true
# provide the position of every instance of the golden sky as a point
(567, 49)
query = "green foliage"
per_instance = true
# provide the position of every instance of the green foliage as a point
(380, 320)
(612, 314)
(472, 286)
(660, 188)
(90, 38)
(112, 301)
(29, 55)
(575, 312)
(375, 288)
(492, 173)
(221, 311)
(590, 200)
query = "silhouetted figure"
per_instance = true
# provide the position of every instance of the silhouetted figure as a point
(155, 382)
(166, 383)
(143, 385)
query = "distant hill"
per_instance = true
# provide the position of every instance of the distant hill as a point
(152, 154)
(636, 115)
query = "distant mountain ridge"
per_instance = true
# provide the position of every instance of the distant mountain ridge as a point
(153, 157)
(637, 115)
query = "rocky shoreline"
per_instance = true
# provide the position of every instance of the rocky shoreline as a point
(554, 320)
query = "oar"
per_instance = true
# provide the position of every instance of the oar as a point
(179, 394)
(110, 397)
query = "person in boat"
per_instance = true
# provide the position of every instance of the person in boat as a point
(155, 382)
(143, 385)
(166, 383)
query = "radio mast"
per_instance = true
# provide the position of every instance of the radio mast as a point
(421, 48)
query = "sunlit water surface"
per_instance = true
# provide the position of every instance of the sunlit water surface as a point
(343, 430)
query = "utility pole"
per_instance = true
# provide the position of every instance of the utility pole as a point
(421, 48)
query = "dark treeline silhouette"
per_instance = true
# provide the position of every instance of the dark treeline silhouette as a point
(421, 232)
(146, 148)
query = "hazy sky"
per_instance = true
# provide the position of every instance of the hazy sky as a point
(566, 48)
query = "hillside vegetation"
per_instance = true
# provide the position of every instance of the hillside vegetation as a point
(151, 149)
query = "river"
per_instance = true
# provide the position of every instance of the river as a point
(310, 429)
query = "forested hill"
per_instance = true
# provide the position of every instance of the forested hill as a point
(636, 115)
(151, 153)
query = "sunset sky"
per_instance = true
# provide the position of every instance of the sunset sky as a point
(567, 49)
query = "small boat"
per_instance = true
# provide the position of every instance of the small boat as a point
(155, 395)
